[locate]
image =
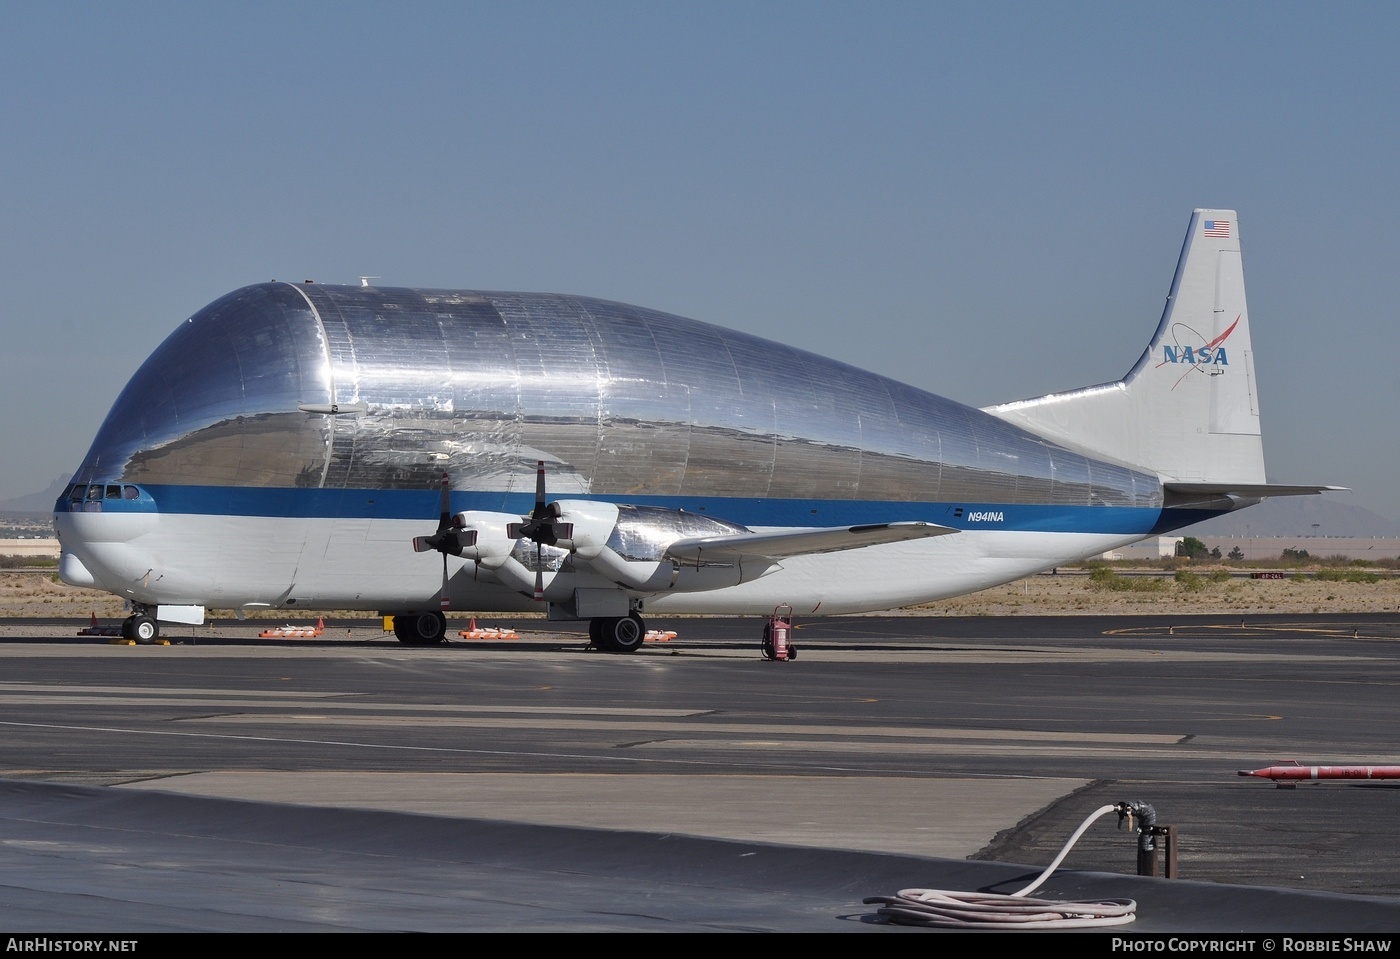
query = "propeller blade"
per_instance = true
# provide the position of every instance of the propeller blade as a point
(539, 526)
(421, 544)
(539, 573)
(540, 512)
(445, 506)
(444, 602)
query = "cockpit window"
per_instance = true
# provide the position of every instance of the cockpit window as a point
(130, 492)
(94, 493)
(75, 493)
(114, 492)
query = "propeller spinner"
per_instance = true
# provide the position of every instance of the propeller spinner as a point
(543, 528)
(449, 540)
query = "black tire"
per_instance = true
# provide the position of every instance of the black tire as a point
(620, 635)
(595, 633)
(143, 629)
(420, 629)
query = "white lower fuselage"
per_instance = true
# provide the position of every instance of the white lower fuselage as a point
(240, 562)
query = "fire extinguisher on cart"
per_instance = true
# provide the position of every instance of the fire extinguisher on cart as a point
(777, 635)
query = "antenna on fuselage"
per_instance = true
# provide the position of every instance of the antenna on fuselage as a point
(364, 280)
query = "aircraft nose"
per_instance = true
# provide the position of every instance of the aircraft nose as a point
(99, 526)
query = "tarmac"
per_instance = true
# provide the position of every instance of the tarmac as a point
(349, 783)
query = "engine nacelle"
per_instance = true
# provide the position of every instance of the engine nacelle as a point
(627, 544)
(493, 543)
(493, 547)
(593, 524)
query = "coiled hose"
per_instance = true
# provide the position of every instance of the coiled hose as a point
(980, 910)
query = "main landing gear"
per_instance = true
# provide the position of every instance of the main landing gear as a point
(624, 634)
(141, 628)
(420, 629)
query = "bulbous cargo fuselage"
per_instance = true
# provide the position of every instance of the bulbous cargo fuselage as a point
(341, 388)
(285, 443)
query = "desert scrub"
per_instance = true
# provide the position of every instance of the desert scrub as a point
(1346, 576)
(10, 561)
(1101, 577)
(1189, 581)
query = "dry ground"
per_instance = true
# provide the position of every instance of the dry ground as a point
(40, 594)
(1047, 595)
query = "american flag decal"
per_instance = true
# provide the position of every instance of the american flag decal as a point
(1218, 228)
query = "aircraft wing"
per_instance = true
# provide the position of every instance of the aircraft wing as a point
(800, 542)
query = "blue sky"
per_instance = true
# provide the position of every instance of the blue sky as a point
(984, 200)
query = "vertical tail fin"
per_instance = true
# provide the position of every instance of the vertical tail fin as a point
(1189, 408)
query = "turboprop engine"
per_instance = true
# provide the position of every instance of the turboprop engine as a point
(596, 547)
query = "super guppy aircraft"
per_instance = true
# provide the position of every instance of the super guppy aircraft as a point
(421, 451)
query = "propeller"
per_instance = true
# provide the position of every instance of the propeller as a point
(542, 527)
(449, 540)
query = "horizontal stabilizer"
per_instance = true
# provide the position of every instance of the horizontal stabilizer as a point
(801, 542)
(1246, 490)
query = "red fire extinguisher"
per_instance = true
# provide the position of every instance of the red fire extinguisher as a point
(777, 635)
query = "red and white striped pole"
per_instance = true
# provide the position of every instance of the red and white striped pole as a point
(1294, 772)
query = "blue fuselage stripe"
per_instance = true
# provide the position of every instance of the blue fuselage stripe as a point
(749, 511)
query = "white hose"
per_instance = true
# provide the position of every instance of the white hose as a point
(980, 910)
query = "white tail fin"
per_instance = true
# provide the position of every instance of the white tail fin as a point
(1189, 408)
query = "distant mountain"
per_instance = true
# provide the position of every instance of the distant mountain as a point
(36, 502)
(1297, 516)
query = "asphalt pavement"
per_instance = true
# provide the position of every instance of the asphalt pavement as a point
(227, 782)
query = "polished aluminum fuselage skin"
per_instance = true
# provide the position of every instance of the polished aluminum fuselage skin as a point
(314, 423)
(619, 401)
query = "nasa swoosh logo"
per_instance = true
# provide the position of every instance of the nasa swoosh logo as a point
(1209, 358)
